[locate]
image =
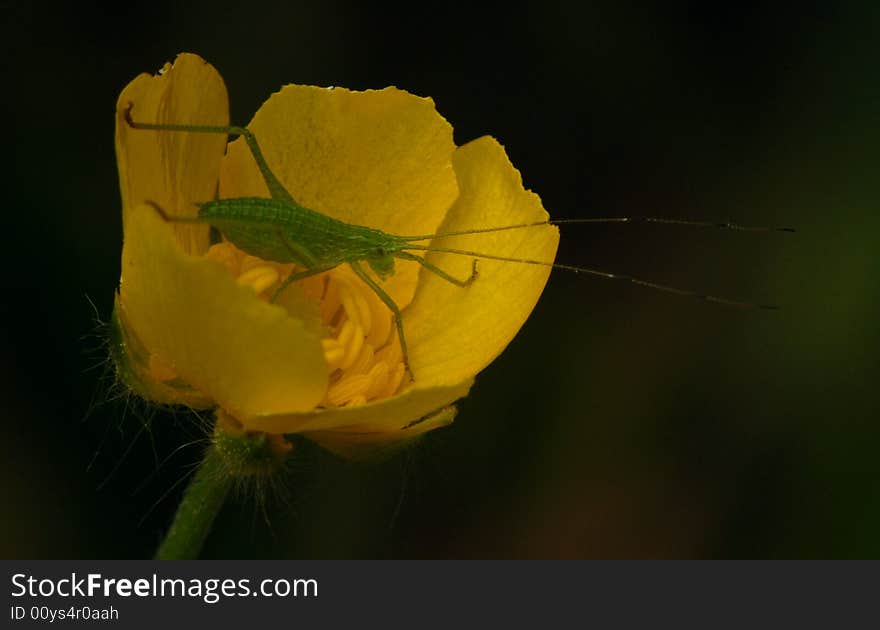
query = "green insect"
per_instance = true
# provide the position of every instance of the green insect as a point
(281, 230)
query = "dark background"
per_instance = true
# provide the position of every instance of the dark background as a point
(621, 422)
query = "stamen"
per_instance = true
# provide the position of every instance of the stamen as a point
(331, 303)
(348, 303)
(365, 315)
(393, 382)
(353, 349)
(391, 353)
(347, 388)
(381, 321)
(249, 262)
(361, 350)
(378, 379)
(333, 352)
(227, 255)
(345, 334)
(259, 278)
(363, 361)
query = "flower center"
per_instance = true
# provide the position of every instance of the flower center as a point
(360, 343)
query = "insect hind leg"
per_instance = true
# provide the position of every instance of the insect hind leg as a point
(443, 274)
(301, 256)
(276, 188)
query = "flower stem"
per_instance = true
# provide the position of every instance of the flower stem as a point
(235, 457)
(200, 505)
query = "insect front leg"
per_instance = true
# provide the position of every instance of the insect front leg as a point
(435, 269)
(398, 320)
(298, 276)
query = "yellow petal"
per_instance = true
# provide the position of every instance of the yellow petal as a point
(172, 169)
(249, 356)
(357, 441)
(394, 416)
(380, 158)
(133, 363)
(455, 332)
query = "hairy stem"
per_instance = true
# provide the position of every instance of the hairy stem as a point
(200, 505)
(235, 457)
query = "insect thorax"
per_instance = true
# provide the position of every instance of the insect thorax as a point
(282, 232)
(383, 265)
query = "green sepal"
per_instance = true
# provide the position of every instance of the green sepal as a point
(235, 459)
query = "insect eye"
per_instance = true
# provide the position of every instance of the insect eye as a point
(380, 251)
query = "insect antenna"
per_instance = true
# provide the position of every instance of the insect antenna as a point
(659, 220)
(597, 272)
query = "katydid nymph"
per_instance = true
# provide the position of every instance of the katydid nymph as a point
(280, 230)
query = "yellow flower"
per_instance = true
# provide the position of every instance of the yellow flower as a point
(196, 325)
